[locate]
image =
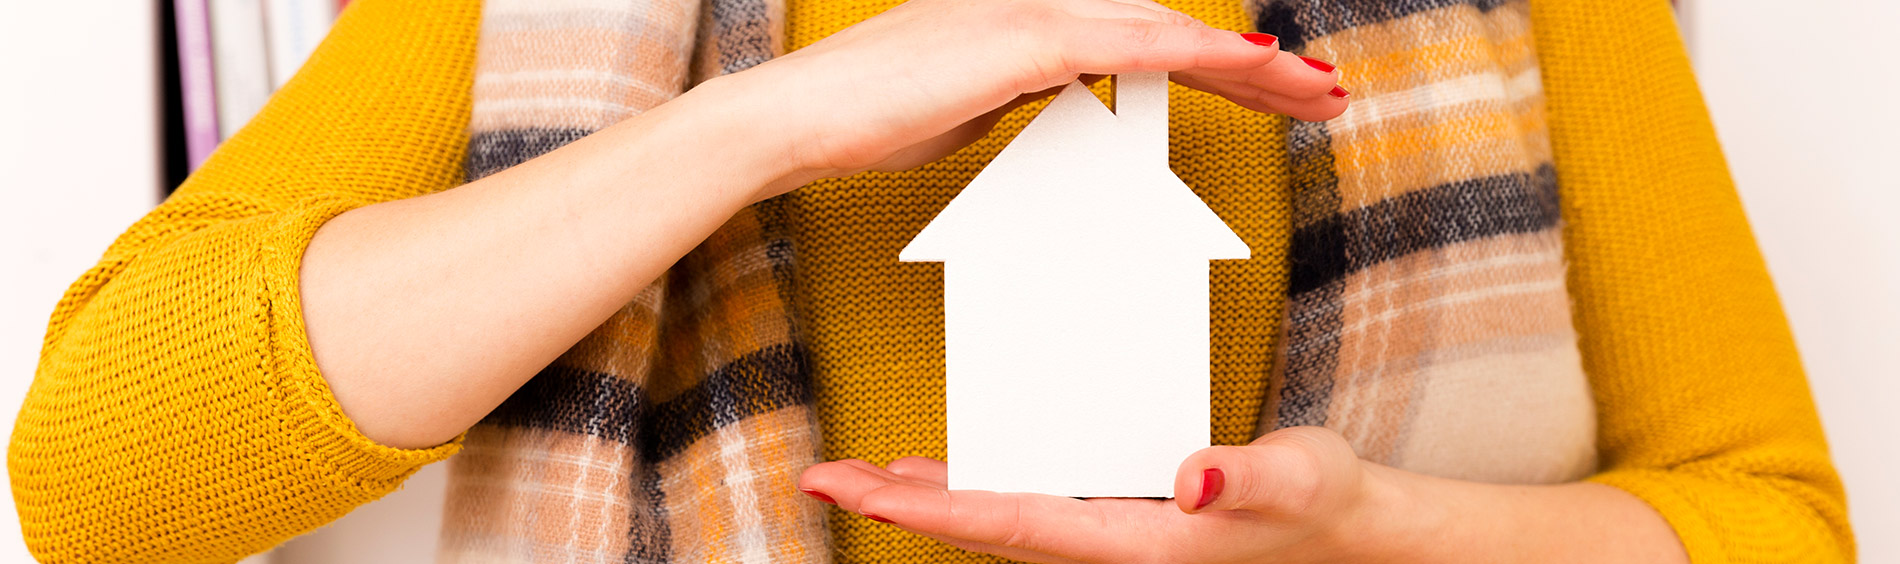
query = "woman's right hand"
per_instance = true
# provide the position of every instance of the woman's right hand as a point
(918, 82)
(425, 313)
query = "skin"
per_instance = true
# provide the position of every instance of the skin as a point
(425, 313)
(1292, 496)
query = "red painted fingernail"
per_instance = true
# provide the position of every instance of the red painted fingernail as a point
(1211, 482)
(1338, 92)
(1323, 66)
(875, 518)
(820, 495)
(1260, 39)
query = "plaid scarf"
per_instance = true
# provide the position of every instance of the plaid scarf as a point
(674, 430)
(1426, 315)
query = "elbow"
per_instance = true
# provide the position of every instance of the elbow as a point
(62, 494)
(1814, 501)
(1811, 504)
(37, 504)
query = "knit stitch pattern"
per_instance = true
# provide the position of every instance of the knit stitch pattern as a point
(876, 325)
(1704, 410)
(177, 415)
(1427, 319)
(673, 431)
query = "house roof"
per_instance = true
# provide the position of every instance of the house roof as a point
(1080, 179)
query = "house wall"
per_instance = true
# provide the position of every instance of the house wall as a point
(1079, 376)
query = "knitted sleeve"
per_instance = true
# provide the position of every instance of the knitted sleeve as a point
(1704, 409)
(177, 414)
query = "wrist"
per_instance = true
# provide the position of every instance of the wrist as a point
(1393, 521)
(737, 121)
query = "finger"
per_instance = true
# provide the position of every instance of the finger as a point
(932, 473)
(1010, 552)
(926, 471)
(1154, 11)
(1311, 109)
(844, 482)
(966, 133)
(1025, 99)
(887, 474)
(1131, 8)
(1058, 526)
(1319, 109)
(1305, 109)
(1113, 46)
(1293, 77)
(1242, 95)
(1281, 474)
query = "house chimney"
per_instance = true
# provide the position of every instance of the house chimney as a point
(1141, 106)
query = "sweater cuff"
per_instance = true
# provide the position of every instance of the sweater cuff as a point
(307, 409)
(1668, 495)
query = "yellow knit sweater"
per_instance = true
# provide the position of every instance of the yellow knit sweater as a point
(177, 414)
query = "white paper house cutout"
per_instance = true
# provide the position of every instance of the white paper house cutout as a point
(1076, 304)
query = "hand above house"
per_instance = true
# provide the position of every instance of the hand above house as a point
(924, 79)
(551, 238)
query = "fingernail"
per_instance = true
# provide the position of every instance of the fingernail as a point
(820, 495)
(1260, 39)
(1338, 92)
(875, 518)
(1323, 66)
(1211, 482)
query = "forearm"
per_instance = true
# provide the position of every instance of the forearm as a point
(426, 313)
(1418, 518)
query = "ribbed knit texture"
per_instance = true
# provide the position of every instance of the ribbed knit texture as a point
(1427, 318)
(675, 431)
(1705, 412)
(177, 415)
(876, 325)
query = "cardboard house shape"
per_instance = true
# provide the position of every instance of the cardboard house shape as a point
(1076, 304)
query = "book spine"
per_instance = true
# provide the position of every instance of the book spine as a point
(295, 27)
(237, 47)
(198, 89)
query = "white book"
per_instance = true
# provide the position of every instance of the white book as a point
(238, 52)
(294, 28)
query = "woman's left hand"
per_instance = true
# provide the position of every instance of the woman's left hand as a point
(1294, 495)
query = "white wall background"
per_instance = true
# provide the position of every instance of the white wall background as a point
(1799, 96)
(78, 163)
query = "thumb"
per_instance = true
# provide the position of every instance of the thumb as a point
(1284, 473)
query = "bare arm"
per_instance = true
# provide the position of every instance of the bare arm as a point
(424, 314)
(1575, 522)
(1704, 412)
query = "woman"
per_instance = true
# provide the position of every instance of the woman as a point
(609, 327)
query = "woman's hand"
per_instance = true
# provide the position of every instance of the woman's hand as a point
(1294, 495)
(915, 83)
(552, 247)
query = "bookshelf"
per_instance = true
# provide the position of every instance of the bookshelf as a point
(222, 59)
